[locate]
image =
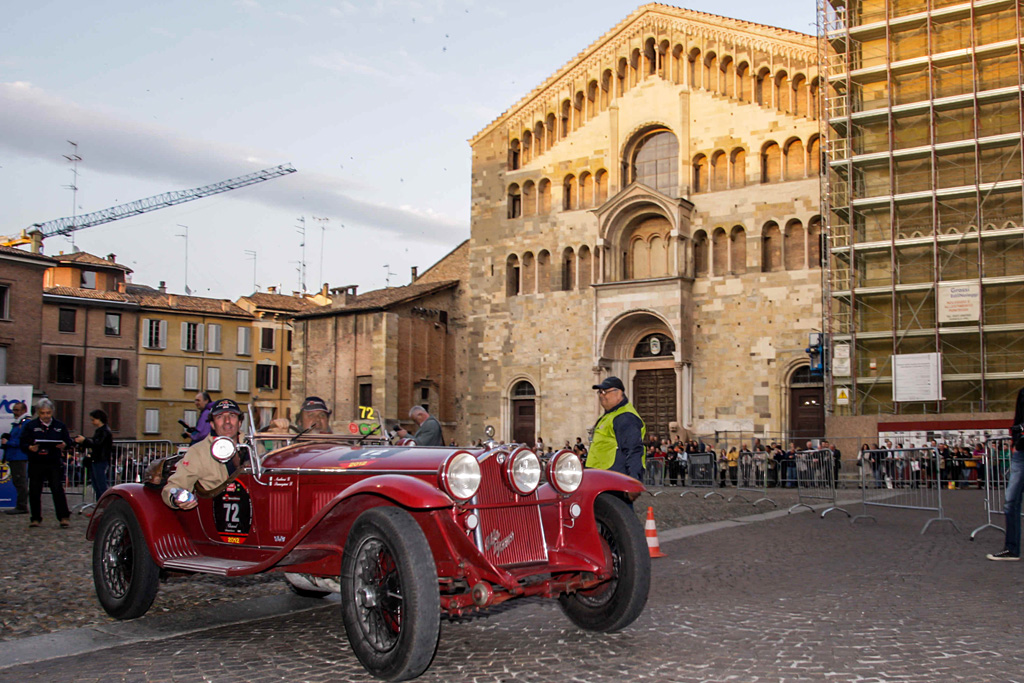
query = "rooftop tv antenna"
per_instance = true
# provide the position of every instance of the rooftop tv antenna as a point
(73, 158)
(301, 229)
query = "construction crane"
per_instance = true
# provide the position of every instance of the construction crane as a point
(35, 233)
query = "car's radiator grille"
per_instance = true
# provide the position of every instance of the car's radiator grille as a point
(507, 535)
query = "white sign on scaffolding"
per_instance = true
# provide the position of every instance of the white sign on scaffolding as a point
(917, 377)
(959, 303)
(841, 360)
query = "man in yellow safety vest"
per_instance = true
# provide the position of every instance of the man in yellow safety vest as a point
(618, 441)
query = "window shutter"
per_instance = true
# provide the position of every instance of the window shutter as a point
(200, 336)
(124, 372)
(145, 334)
(99, 371)
(79, 369)
(273, 377)
(184, 336)
(163, 335)
(53, 368)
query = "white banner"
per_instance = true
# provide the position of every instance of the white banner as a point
(959, 303)
(9, 395)
(917, 377)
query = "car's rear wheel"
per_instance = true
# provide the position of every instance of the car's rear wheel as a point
(390, 602)
(616, 603)
(125, 575)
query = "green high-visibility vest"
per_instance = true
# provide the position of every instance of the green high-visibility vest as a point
(603, 444)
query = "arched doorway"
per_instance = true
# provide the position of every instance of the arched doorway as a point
(524, 413)
(641, 350)
(806, 404)
(654, 388)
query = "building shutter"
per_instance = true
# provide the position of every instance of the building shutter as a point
(144, 342)
(200, 336)
(124, 371)
(79, 369)
(184, 336)
(53, 368)
(99, 371)
(163, 334)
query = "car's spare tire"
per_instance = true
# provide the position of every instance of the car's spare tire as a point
(390, 603)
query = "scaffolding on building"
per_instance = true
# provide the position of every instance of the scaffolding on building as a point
(922, 196)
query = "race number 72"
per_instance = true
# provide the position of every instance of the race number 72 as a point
(366, 413)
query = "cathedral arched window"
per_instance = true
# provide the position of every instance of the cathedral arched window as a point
(654, 160)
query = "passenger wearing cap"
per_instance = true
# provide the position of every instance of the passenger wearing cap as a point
(618, 441)
(199, 467)
(314, 416)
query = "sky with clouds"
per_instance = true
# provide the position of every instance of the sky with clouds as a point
(373, 102)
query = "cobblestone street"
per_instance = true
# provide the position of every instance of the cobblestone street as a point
(791, 598)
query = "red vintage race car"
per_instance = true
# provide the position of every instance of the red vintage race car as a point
(405, 533)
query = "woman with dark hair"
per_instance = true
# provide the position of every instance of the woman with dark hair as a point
(100, 446)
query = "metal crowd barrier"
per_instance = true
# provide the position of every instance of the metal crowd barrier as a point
(997, 476)
(703, 470)
(904, 478)
(753, 477)
(815, 480)
(128, 463)
(654, 472)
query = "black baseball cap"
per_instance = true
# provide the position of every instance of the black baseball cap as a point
(225, 405)
(314, 403)
(611, 383)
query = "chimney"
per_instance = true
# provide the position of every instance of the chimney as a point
(296, 294)
(414, 273)
(341, 295)
(112, 258)
(324, 290)
(224, 305)
(272, 289)
(163, 287)
(121, 287)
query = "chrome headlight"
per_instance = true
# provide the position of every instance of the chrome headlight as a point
(223, 449)
(523, 472)
(565, 472)
(460, 476)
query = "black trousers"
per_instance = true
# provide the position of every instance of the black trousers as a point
(46, 469)
(19, 477)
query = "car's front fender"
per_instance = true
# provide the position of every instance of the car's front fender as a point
(154, 517)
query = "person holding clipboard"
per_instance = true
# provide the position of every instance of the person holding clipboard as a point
(43, 440)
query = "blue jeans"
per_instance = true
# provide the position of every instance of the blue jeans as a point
(1014, 488)
(98, 474)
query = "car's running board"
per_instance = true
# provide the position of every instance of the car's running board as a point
(205, 564)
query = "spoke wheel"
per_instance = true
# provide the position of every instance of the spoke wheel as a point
(125, 576)
(617, 602)
(390, 599)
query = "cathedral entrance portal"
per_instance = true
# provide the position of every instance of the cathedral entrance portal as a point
(654, 397)
(806, 405)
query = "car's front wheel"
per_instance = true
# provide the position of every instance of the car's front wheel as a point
(616, 603)
(125, 575)
(390, 603)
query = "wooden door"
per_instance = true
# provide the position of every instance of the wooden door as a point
(806, 412)
(654, 397)
(524, 421)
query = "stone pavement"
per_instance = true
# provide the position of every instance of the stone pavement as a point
(788, 598)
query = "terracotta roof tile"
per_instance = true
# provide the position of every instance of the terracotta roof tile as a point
(13, 251)
(383, 298)
(85, 258)
(191, 304)
(90, 294)
(281, 302)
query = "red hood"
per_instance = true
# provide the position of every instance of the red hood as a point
(328, 456)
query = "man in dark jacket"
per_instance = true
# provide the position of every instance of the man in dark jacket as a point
(100, 447)
(429, 433)
(43, 440)
(618, 440)
(16, 459)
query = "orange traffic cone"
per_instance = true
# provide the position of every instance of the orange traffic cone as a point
(653, 547)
